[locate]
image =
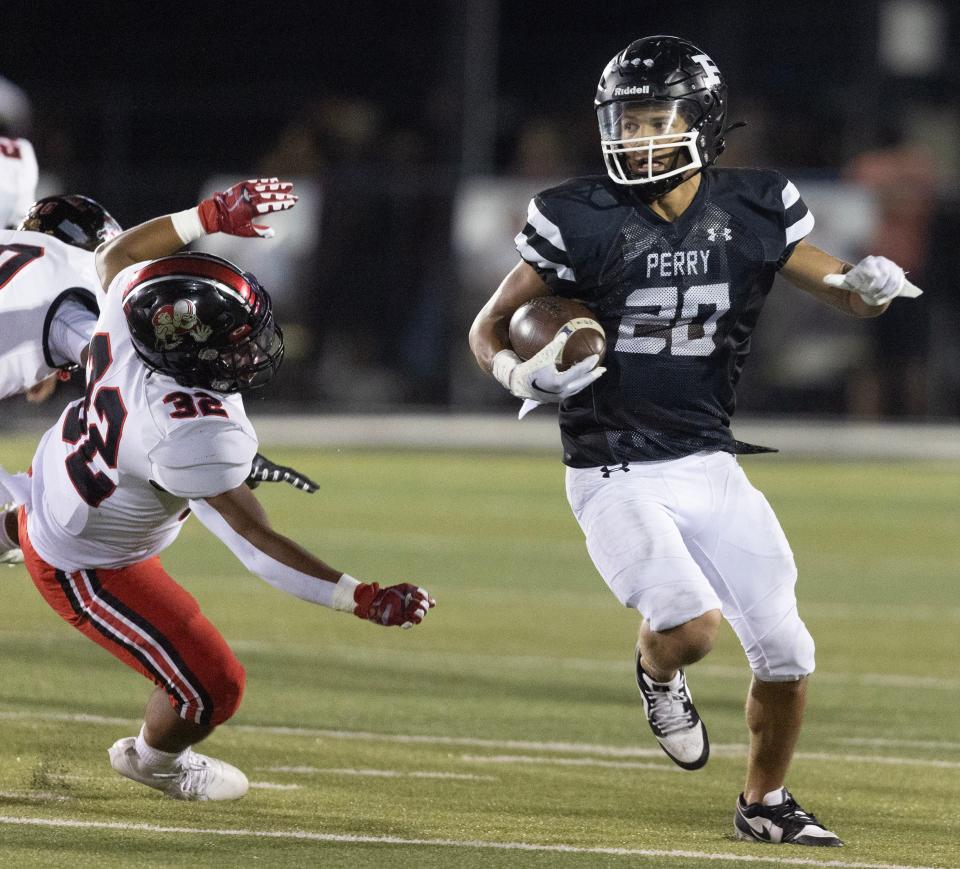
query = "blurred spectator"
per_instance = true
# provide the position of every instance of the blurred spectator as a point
(371, 311)
(15, 110)
(541, 150)
(749, 145)
(904, 178)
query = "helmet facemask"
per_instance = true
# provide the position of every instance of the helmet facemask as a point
(252, 362)
(652, 143)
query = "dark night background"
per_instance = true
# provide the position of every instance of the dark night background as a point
(391, 106)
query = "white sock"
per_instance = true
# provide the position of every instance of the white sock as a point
(153, 757)
(673, 683)
(774, 798)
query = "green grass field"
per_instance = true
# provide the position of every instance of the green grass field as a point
(510, 717)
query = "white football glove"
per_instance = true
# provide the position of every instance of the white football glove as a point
(876, 279)
(538, 381)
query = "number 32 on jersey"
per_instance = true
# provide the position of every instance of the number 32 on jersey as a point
(101, 436)
(95, 486)
(683, 327)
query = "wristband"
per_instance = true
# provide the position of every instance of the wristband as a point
(343, 594)
(188, 224)
(503, 364)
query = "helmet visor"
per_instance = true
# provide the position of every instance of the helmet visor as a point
(648, 140)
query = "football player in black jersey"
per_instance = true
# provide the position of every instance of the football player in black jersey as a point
(675, 258)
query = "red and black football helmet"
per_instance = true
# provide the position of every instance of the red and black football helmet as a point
(204, 322)
(661, 104)
(74, 219)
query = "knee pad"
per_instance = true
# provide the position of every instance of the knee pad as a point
(671, 604)
(212, 701)
(784, 654)
(229, 693)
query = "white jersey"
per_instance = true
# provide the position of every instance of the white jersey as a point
(112, 478)
(38, 274)
(18, 180)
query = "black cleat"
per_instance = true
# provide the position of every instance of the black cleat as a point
(674, 720)
(784, 824)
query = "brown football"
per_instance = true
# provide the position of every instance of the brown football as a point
(536, 323)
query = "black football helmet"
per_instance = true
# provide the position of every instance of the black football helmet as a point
(204, 322)
(661, 104)
(74, 219)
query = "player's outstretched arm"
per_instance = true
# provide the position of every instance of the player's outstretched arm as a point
(863, 290)
(232, 211)
(237, 518)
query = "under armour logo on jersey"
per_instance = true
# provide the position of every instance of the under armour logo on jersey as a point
(712, 234)
(607, 471)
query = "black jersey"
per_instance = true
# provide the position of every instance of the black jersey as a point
(678, 301)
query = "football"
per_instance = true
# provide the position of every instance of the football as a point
(536, 323)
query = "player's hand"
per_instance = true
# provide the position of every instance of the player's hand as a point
(539, 379)
(264, 471)
(405, 604)
(234, 210)
(41, 391)
(876, 279)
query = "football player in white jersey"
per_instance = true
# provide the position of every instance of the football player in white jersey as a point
(18, 179)
(162, 424)
(48, 289)
(48, 304)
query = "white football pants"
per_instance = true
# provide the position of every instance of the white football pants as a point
(677, 538)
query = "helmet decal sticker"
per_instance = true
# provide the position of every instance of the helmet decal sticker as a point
(171, 323)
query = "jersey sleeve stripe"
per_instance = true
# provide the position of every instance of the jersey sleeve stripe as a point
(801, 228)
(795, 212)
(544, 247)
(790, 194)
(544, 226)
(541, 244)
(536, 259)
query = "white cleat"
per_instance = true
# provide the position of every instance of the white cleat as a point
(11, 557)
(194, 776)
(784, 822)
(674, 720)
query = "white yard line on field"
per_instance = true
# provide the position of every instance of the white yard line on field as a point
(596, 665)
(878, 742)
(882, 759)
(346, 839)
(514, 663)
(874, 680)
(620, 752)
(379, 773)
(273, 786)
(566, 761)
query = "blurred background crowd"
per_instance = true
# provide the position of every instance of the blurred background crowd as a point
(417, 132)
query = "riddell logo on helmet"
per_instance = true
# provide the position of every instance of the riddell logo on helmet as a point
(631, 90)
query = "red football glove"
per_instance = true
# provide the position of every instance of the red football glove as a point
(234, 210)
(404, 604)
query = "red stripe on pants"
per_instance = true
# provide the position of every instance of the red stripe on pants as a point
(162, 633)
